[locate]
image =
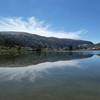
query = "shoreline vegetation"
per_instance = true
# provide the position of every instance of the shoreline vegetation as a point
(17, 50)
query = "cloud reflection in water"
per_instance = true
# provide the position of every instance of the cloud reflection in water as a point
(33, 71)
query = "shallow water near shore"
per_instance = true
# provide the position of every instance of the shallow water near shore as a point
(51, 76)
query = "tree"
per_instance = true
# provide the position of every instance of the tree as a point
(70, 47)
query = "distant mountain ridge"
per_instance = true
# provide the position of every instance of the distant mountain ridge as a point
(96, 46)
(35, 41)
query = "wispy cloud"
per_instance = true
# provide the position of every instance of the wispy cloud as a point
(35, 26)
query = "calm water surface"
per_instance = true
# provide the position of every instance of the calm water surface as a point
(51, 76)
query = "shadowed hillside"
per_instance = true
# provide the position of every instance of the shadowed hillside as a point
(36, 42)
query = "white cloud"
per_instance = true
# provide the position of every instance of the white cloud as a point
(35, 26)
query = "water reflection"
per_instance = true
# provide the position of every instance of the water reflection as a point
(51, 76)
(33, 71)
(36, 58)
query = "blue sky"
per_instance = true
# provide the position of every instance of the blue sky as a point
(80, 18)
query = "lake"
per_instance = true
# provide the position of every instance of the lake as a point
(51, 76)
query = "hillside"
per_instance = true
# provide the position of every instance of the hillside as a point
(22, 39)
(96, 46)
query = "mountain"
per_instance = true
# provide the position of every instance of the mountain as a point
(96, 46)
(23, 39)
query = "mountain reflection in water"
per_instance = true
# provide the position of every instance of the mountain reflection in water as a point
(40, 57)
(51, 76)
